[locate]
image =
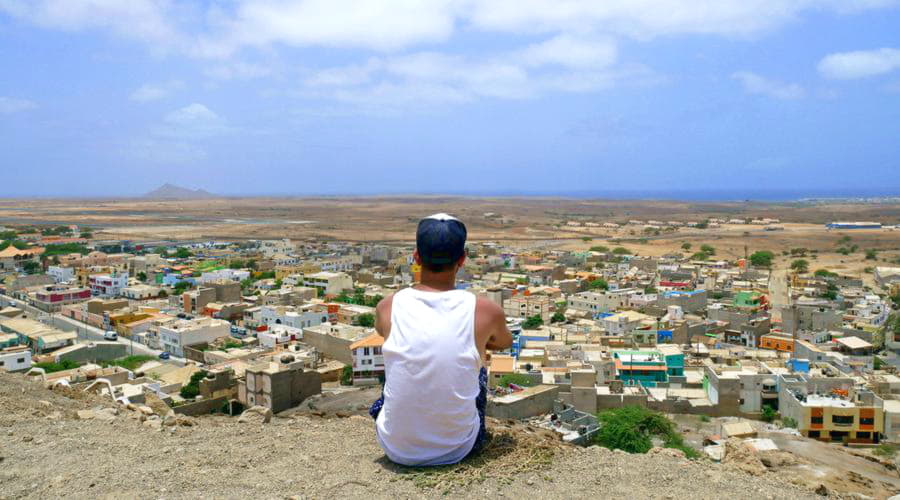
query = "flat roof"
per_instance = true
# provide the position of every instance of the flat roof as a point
(817, 400)
(854, 343)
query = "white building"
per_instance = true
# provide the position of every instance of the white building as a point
(368, 359)
(290, 316)
(332, 283)
(273, 247)
(340, 264)
(279, 334)
(174, 336)
(15, 359)
(140, 292)
(623, 322)
(224, 274)
(108, 285)
(61, 274)
(599, 302)
(283, 260)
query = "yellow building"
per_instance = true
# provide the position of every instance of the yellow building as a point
(837, 417)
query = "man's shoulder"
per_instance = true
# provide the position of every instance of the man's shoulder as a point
(487, 307)
(385, 303)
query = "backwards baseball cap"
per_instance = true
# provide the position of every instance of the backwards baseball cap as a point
(441, 239)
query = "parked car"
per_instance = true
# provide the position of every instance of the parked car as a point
(110, 335)
(164, 355)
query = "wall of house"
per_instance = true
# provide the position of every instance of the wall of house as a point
(329, 345)
(538, 403)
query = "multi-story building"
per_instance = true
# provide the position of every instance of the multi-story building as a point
(279, 384)
(624, 322)
(690, 301)
(108, 285)
(11, 258)
(368, 360)
(526, 306)
(52, 298)
(236, 275)
(599, 302)
(645, 367)
(272, 247)
(849, 416)
(341, 264)
(61, 274)
(175, 335)
(291, 316)
(329, 282)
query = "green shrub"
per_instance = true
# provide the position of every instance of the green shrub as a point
(130, 362)
(50, 367)
(192, 389)
(519, 379)
(886, 450)
(632, 429)
(768, 414)
(533, 322)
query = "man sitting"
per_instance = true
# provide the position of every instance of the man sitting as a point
(436, 339)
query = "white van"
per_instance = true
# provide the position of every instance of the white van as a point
(111, 335)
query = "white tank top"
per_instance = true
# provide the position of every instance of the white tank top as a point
(431, 378)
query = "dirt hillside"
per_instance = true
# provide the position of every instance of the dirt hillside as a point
(48, 449)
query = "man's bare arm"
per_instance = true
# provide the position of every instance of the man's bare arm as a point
(383, 316)
(494, 321)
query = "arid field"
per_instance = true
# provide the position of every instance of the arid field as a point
(526, 222)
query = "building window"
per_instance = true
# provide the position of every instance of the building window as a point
(815, 420)
(863, 435)
(365, 351)
(20, 360)
(377, 351)
(866, 421)
(842, 419)
(813, 434)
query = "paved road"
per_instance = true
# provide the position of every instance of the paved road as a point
(85, 332)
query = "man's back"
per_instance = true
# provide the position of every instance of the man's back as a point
(431, 378)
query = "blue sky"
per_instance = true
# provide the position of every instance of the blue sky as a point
(113, 98)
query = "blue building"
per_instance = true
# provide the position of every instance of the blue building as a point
(853, 225)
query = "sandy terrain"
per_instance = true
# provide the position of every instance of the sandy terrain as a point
(537, 223)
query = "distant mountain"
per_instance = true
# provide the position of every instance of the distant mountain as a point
(173, 192)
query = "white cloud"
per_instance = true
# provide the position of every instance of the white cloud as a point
(354, 74)
(220, 29)
(148, 21)
(9, 105)
(650, 18)
(433, 78)
(192, 122)
(860, 64)
(569, 51)
(756, 84)
(155, 91)
(239, 71)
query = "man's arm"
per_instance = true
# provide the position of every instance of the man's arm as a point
(383, 316)
(491, 324)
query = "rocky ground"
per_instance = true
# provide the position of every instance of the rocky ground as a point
(48, 449)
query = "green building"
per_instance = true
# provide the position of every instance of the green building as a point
(646, 367)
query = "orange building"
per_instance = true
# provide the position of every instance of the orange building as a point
(776, 343)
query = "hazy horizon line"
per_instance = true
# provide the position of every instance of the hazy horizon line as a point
(684, 195)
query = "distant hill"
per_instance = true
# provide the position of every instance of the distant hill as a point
(173, 192)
